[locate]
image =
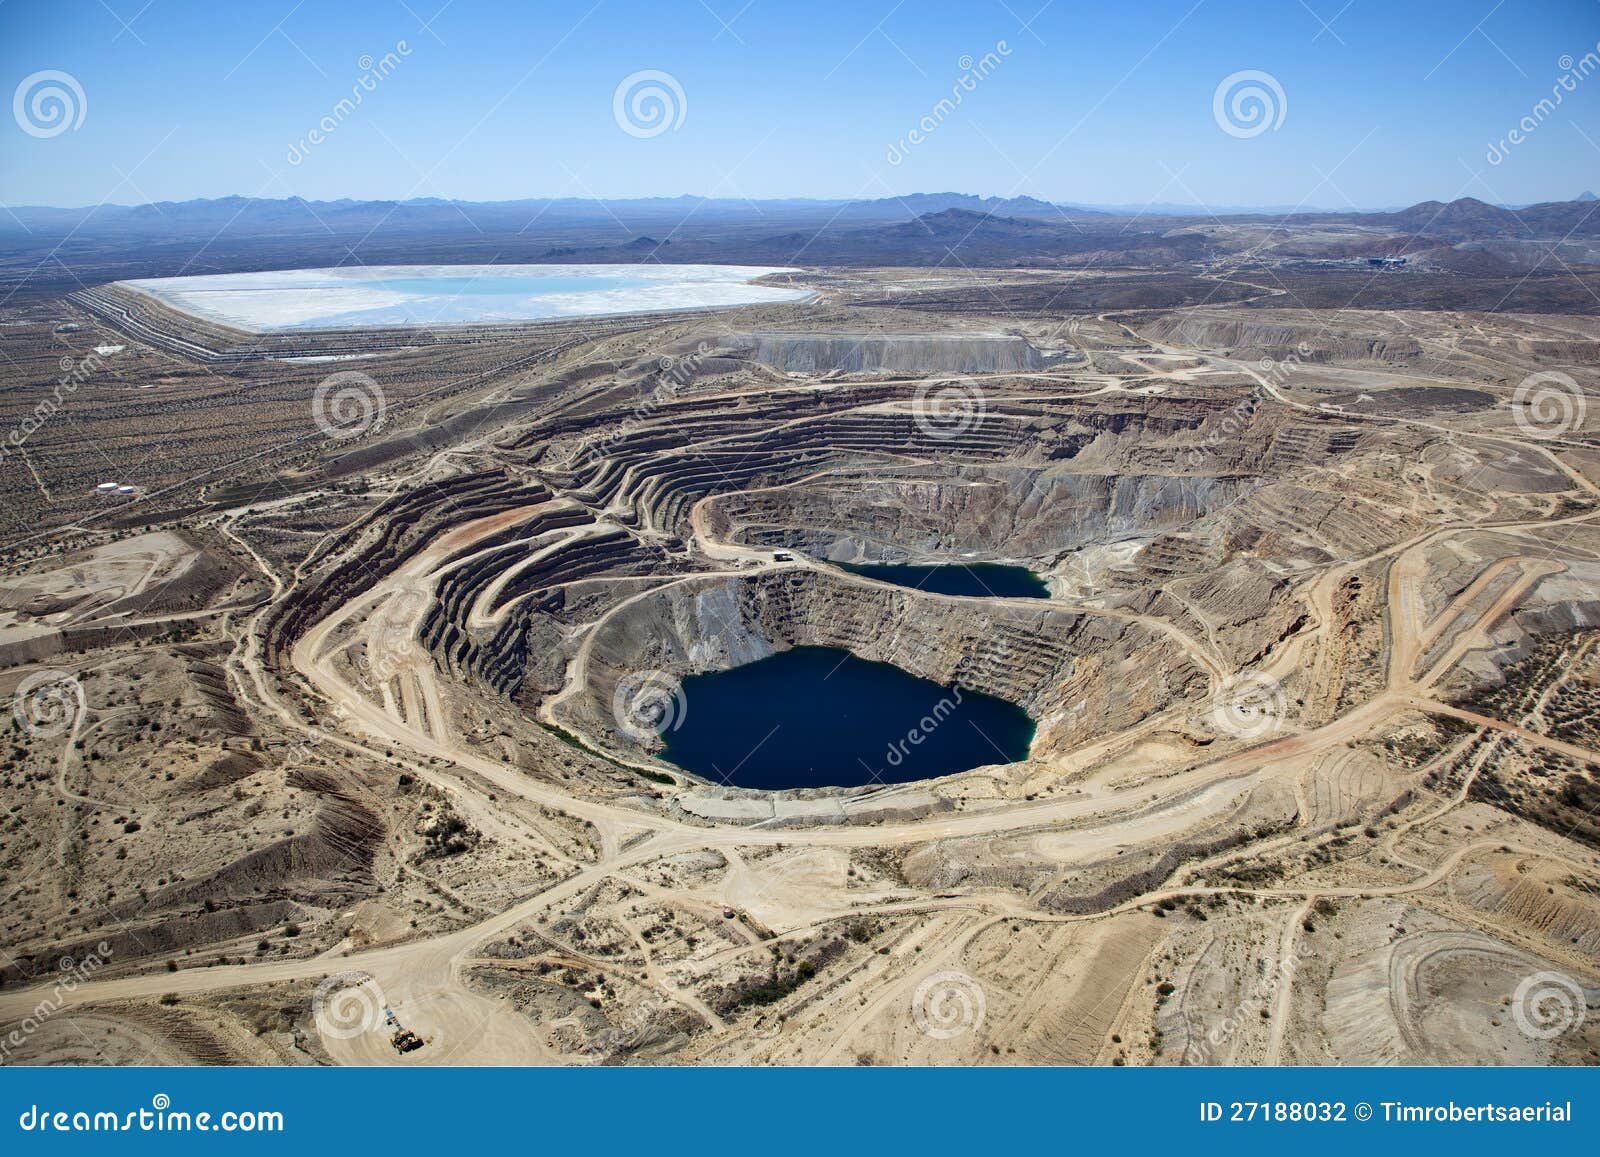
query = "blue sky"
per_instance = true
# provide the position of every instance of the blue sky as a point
(1383, 103)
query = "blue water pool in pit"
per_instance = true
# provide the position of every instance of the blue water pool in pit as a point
(975, 580)
(820, 717)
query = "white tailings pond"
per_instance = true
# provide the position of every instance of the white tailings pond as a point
(427, 295)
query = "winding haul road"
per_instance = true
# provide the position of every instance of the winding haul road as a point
(424, 980)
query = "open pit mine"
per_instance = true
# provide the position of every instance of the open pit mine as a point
(902, 668)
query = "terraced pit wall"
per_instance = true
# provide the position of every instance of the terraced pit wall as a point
(1009, 511)
(395, 531)
(919, 354)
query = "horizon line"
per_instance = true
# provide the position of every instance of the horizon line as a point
(1131, 208)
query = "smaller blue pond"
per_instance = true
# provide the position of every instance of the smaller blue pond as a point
(977, 580)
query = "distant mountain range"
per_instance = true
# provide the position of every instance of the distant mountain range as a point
(1468, 219)
(1465, 218)
(45, 252)
(258, 214)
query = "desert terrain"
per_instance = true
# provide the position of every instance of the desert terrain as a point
(342, 663)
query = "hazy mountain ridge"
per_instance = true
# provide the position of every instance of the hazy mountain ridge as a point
(1463, 219)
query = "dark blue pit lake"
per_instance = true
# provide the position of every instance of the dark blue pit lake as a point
(977, 580)
(820, 717)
